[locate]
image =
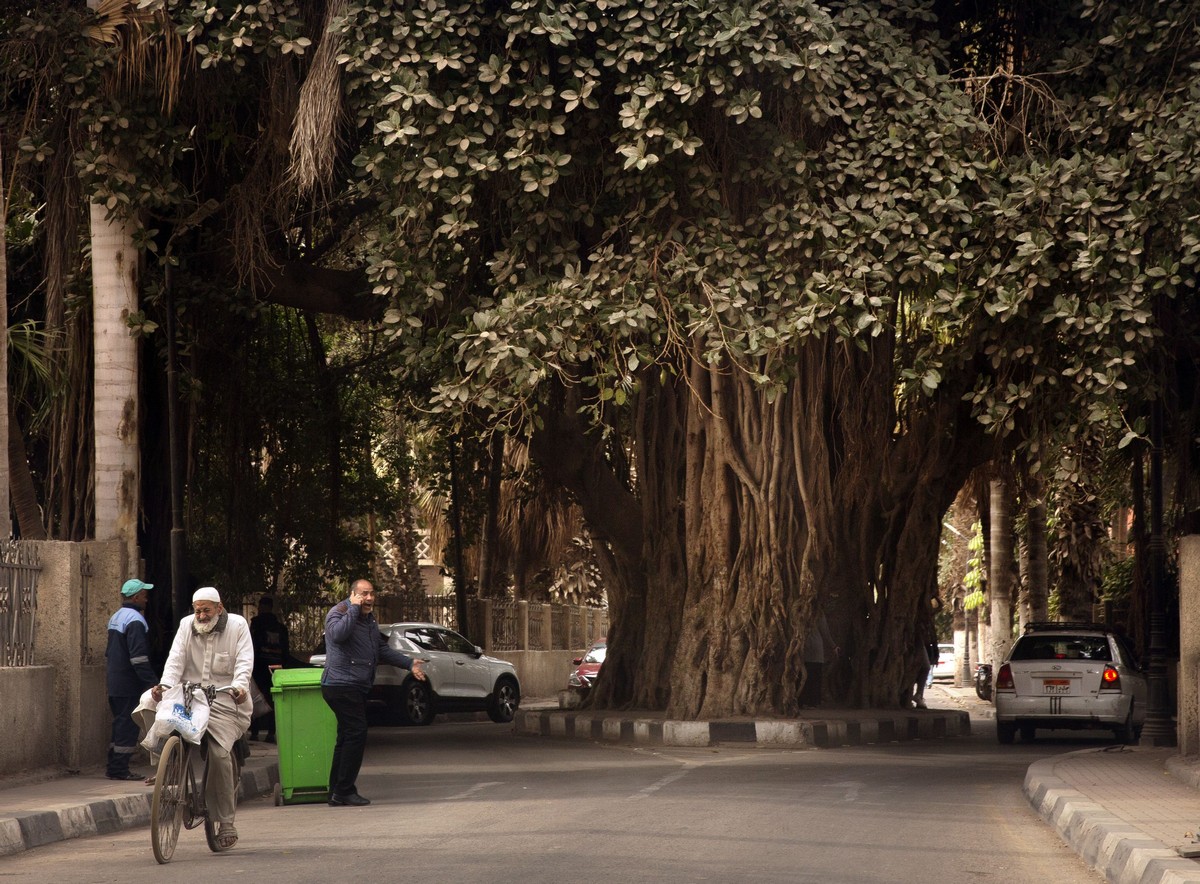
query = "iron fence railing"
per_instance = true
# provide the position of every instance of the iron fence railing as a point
(19, 571)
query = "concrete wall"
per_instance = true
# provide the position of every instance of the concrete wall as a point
(1188, 721)
(542, 673)
(27, 737)
(64, 721)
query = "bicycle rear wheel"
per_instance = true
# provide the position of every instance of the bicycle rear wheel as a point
(170, 798)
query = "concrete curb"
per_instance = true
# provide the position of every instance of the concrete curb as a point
(823, 733)
(24, 831)
(1103, 840)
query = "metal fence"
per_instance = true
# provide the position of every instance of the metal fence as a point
(19, 571)
(495, 625)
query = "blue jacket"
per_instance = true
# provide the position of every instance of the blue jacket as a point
(354, 646)
(127, 659)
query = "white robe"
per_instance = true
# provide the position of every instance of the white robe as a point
(220, 658)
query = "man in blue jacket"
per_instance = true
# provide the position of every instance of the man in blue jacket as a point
(353, 647)
(127, 674)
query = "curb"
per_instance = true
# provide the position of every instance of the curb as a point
(1103, 840)
(826, 733)
(24, 831)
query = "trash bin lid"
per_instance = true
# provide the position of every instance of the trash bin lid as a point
(283, 678)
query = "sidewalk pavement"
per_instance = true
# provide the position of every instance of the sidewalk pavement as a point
(1131, 812)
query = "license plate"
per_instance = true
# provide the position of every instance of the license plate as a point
(1056, 686)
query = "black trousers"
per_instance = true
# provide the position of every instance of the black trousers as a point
(125, 734)
(349, 705)
(810, 694)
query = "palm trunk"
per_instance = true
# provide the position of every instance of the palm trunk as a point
(115, 386)
(1000, 573)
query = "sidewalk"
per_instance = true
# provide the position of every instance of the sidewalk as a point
(1126, 810)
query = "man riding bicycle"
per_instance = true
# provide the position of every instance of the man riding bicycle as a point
(213, 647)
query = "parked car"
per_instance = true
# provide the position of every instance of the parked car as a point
(1070, 675)
(587, 667)
(947, 664)
(461, 677)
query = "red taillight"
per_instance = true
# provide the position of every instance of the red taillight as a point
(1004, 680)
(1110, 680)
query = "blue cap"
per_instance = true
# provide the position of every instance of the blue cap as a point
(134, 586)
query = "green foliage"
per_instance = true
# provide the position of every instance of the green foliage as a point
(975, 579)
(732, 182)
(1117, 583)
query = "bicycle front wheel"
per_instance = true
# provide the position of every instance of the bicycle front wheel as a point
(170, 799)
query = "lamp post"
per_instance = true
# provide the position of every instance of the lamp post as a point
(1159, 729)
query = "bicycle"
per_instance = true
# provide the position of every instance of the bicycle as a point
(179, 785)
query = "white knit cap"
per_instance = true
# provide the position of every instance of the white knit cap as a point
(206, 594)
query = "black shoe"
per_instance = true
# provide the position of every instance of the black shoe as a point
(127, 775)
(269, 738)
(354, 800)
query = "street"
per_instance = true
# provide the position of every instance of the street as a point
(473, 802)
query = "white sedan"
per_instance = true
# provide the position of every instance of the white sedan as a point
(1070, 675)
(947, 664)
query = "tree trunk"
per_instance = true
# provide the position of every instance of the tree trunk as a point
(489, 537)
(1036, 587)
(5, 510)
(24, 495)
(115, 390)
(773, 508)
(1000, 582)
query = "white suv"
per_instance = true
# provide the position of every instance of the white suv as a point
(461, 677)
(1070, 675)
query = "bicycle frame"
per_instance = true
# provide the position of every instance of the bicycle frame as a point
(179, 784)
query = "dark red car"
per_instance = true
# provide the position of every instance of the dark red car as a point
(587, 667)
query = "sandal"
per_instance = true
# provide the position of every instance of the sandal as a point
(149, 781)
(226, 836)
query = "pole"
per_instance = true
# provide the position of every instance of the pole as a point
(180, 603)
(1159, 729)
(460, 582)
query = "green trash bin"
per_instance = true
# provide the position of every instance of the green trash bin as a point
(305, 731)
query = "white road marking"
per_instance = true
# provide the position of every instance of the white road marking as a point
(665, 781)
(478, 787)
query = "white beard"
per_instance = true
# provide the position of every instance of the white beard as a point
(204, 628)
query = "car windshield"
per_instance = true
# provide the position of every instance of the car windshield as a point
(1062, 647)
(595, 655)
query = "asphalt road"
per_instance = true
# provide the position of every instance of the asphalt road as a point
(472, 802)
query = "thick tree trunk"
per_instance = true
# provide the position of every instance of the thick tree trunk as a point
(753, 513)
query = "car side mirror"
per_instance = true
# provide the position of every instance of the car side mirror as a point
(576, 661)
(478, 651)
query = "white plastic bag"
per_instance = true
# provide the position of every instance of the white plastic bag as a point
(261, 705)
(174, 713)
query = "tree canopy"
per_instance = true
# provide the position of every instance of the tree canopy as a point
(758, 283)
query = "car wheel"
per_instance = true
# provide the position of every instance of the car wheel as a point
(1006, 732)
(1127, 733)
(416, 702)
(503, 703)
(1028, 733)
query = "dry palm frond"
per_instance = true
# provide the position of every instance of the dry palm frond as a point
(315, 135)
(150, 50)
